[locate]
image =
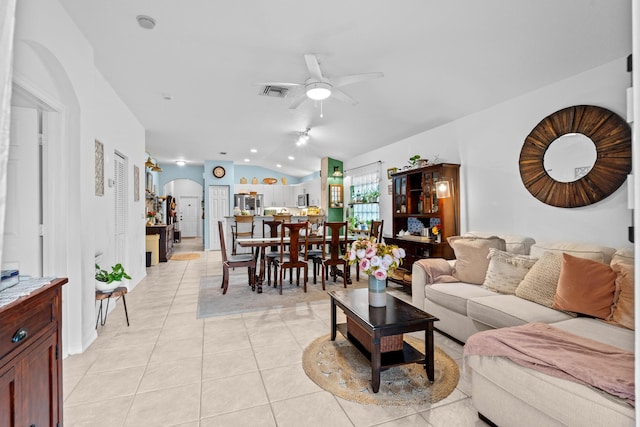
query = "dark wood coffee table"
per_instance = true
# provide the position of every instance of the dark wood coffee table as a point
(398, 317)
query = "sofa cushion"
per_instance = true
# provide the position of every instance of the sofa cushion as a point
(623, 310)
(520, 245)
(580, 250)
(624, 255)
(585, 286)
(501, 311)
(471, 257)
(506, 271)
(599, 330)
(454, 296)
(539, 285)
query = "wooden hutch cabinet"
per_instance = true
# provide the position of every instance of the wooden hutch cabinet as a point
(31, 360)
(416, 206)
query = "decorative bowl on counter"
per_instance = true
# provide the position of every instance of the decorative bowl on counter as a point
(269, 181)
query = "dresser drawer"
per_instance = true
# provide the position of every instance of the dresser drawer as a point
(21, 326)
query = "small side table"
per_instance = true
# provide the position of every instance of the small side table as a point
(116, 293)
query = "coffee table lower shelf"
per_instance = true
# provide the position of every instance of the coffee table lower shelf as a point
(388, 359)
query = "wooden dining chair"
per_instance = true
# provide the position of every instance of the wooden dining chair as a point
(243, 260)
(376, 233)
(294, 258)
(271, 229)
(313, 254)
(337, 246)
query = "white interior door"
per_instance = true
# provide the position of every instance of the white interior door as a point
(218, 209)
(189, 215)
(23, 215)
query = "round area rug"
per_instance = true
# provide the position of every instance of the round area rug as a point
(184, 257)
(339, 368)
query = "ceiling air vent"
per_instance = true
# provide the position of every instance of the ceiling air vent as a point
(274, 91)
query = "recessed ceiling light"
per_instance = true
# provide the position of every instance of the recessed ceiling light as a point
(278, 165)
(223, 153)
(291, 158)
(181, 162)
(146, 22)
(167, 96)
(247, 160)
(253, 150)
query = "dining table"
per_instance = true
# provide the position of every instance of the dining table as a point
(261, 243)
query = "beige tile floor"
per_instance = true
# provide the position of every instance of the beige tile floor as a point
(170, 369)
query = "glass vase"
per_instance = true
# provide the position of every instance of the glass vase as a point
(377, 292)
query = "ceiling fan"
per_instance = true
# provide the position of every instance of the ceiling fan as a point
(318, 87)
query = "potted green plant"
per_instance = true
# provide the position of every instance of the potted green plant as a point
(413, 160)
(107, 281)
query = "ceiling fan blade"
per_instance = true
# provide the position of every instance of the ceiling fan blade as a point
(341, 96)
(314, 66)
(283, 84)
(298, 101)
(354, 78)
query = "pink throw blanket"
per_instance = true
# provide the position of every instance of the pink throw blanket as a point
(438, 270)
(562, 354)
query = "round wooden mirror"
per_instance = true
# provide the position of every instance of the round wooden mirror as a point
(611, 136)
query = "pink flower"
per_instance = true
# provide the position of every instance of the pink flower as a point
(360, 253)
(375, 261)
(380, 274)
(352, 255)
(365, 264)
(371, 251)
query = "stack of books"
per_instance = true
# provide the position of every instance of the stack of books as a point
(9, 278)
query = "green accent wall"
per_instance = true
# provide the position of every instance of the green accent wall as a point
(335, 214)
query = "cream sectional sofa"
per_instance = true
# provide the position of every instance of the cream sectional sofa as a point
(502, 391)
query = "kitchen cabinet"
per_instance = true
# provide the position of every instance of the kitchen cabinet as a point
(30, 359)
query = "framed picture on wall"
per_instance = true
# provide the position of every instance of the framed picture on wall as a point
(136, 183)
(391, 171)
(99, 149)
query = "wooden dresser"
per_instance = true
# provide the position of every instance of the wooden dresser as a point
(166, 239)
(31, 360)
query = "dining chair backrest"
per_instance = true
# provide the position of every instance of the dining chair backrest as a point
(335, 237)
(376, 230)
(223, 248)
(295, 239)
(271, 229)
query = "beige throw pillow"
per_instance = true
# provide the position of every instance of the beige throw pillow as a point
(623, 311)
(539, 285)
(506, 271)
(471, 257)
(585, 286)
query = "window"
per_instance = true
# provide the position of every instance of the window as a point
(365, 193)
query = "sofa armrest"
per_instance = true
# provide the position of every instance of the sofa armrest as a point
(418, 282)
(421, 273)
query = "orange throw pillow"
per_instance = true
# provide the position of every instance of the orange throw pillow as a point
(585, 286)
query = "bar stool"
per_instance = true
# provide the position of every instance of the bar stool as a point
(243, 227)
(120, 291)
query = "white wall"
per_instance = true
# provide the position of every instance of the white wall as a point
(487, 145)
(55, 61)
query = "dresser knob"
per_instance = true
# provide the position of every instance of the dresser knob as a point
(19, 335)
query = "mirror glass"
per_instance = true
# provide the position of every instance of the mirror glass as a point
(570, 157)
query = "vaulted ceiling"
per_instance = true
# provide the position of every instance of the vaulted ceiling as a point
(441, 60)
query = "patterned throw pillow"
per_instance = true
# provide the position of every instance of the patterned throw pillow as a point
(506, 271)
(539, 285)
(471, 257)
(586, 287)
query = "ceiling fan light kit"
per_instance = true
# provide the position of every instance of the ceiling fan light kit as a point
(318, 91)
